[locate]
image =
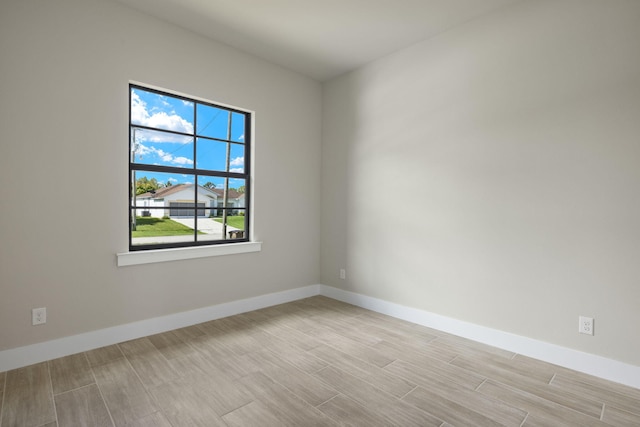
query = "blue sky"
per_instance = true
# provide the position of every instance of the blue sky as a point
(167, 149)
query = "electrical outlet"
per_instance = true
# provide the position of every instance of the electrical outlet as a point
(585, 325)
(39, 316)
(343, 273)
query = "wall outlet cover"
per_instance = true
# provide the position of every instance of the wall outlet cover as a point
(39, 316)
(585, 325)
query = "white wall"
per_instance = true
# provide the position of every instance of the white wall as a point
(65, 66)
(512, 144)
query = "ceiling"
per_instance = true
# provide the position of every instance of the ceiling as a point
(318, 38)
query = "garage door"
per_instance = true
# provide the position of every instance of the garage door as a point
(184, 209)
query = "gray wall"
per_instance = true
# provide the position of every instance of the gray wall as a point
(65, 66)
(492, 174)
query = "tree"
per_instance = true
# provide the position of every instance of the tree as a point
(210, 185)
(242, 189)
(145, 185)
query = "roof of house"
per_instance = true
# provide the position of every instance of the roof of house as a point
(233, 194)
(166, 191)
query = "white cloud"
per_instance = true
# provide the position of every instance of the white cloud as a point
(238, 161)
(161, 120)
(143, 150)
(160, 137)
(163, 100)
(241, 138)
(139, 112)
(239, 170)
(181, 161)
(174, 122)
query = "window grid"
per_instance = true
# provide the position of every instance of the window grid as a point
(221, 206)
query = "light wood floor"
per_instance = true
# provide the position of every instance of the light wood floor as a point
(311, 362)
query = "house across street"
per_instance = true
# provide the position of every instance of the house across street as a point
(178, 201)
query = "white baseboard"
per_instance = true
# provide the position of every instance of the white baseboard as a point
(40, 352)
(591, 364)
(573, 359)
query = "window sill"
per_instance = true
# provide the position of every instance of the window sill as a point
(175, 254)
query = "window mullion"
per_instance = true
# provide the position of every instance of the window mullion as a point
(195, 171)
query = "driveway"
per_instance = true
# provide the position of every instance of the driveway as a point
(205, 225)
(211, 228)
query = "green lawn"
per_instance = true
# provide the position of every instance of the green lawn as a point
(236, 221)
(152, 227)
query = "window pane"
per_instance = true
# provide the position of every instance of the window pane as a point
(236, 161)
(211, 155)
(236, 192)
(237, 127)
(212, 122)
(161, 111)
(211, 190)
(161, 148)
(214, 184)
(236, 227)
(236, 219)
(150, 226)
(214, 228)
(210, 228)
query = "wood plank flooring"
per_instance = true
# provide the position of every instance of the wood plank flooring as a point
(313, 362)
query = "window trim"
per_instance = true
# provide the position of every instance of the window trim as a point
(172, 250)
(192, 252)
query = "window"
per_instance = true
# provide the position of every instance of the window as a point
(188, 171)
